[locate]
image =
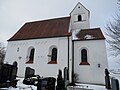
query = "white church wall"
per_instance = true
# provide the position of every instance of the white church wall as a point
(70, 59)
(40, 63)
(96, 53)
(16, 52)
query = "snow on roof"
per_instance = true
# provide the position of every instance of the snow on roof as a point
(92, 34)
(89, 37)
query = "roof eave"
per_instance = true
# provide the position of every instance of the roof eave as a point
(89, 39)
(40, 37)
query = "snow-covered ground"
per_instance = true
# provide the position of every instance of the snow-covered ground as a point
(87, 86)
(21, 86)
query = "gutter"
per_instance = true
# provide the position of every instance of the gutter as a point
(68, 55)
(72, 61)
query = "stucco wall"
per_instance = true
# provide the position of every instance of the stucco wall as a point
(79, 10)
(40, 59)
(96, 51)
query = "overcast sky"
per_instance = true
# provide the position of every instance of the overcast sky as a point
(15, 13)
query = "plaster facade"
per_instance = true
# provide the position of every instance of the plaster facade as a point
(96, 57)
(41, 59)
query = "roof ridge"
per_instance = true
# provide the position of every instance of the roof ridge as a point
(55, 18)
(91, 28)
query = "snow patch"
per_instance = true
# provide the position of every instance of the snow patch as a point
(89, 37)
(74, 33)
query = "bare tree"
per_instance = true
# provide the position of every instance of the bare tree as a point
(118, 4)
(2, 52)
(113, 33)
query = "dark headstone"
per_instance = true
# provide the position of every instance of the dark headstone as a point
(107, 79)
(115, 84)
(15, 63)
(66, 76)
(14, 72)
(60, 81)
(29, 72)
(8, 75)
(46, 83)
(106, 72)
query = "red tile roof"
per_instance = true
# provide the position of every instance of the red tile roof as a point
(90, 34)
(43, 29)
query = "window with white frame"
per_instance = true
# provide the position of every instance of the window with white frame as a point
(79, 17)
(84, 57)
(30, 55)
(52, 56)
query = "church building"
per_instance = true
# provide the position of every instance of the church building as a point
(53, 44)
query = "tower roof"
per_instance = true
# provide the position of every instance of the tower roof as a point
(78, 6)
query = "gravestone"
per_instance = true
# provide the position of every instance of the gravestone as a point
(8, 75)
(29, 72)
(47, 83)
(14, 72)
(15, 63)
(107, 79)
(115, 84)
(60, 81)
(66, 76)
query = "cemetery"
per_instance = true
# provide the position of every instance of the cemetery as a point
(8, 78)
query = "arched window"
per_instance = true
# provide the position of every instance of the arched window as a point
(79, 18)
(52, 57)
(30, 55)
(54, 54)
(84, 57)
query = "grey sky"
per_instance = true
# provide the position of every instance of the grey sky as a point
(14, 13)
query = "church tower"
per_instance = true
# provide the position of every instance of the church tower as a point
(79, 19)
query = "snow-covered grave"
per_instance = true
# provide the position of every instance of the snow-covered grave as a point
(21, 86)
(86, 87)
